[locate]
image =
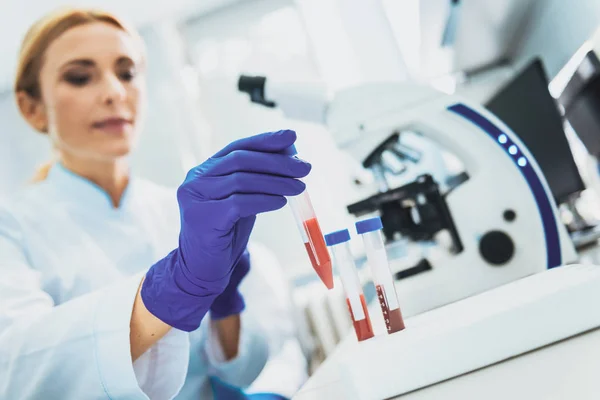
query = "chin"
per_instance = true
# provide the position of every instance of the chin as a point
(119, 148)
(124, 152)
(116, 152)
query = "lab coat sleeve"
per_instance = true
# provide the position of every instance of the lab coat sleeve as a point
(268, 296)
(252, 354)
(78, 349)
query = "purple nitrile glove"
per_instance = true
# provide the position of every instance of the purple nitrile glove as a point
(218, 203)
(231, 301)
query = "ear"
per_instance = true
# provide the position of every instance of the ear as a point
(33, 110)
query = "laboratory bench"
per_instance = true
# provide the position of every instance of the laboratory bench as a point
(535, 338)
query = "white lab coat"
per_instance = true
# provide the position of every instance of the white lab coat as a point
(70, 268)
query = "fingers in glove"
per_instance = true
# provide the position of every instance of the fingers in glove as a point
(253, 161)
(270, 142)
(247, 205)
(221, 187)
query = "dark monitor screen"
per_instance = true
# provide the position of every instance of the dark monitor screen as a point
(526, 106)
(581, 100)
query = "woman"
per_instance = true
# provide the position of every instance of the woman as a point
(100, 281)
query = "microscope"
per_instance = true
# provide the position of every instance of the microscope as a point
(497, 214)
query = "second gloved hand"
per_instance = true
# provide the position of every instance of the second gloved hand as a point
(218, 203)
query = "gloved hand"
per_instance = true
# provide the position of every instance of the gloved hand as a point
(226, 391)
(231, 301)
(218, 203)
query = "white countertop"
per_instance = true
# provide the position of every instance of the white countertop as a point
(555, 357)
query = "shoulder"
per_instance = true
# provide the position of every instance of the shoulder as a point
(26, 202)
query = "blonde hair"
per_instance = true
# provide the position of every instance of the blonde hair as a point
(38, 39)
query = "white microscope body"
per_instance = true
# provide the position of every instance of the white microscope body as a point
(503, 178)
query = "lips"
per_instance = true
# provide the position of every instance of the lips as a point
(109, 123)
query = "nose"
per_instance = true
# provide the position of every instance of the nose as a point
(113, 90)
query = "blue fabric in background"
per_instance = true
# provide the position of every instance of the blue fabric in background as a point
(224, 391)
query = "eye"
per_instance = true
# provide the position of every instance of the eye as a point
(127, 75)
(77, 79)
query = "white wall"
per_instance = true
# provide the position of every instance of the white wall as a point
(17, 16)
(486, 31)
(557, 28)
(174, 138)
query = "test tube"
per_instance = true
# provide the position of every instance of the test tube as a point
(370, 230)
(311, 233)
(355, 299)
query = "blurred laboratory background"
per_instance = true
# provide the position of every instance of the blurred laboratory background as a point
(487, 51)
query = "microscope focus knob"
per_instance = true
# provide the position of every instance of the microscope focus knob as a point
(496, 247)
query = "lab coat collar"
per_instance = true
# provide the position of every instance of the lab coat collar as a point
(77, 189)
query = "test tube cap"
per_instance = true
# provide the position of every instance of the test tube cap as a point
(368, 225)
(337, 237)
(290, 151)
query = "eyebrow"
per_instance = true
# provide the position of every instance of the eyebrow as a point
(84, 62)
(125, 60)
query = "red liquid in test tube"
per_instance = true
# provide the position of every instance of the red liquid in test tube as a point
(370, 230)
(311, 233)
(355, 299)
(393, 318)
(317, 251)
(362, 327)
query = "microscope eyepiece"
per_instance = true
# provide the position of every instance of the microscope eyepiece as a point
(255, 87)
(248, 84)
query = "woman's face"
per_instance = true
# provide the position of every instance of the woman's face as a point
(93, 91)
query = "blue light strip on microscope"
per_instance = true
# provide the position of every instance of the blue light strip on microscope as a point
(533, 180)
